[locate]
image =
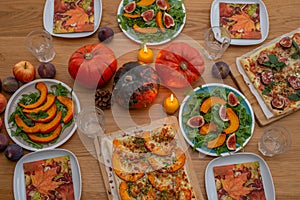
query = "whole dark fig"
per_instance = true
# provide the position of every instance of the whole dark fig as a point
(3, 141)
(10, 84)
(105, 34)
(46, 70)
(220, 69)
(13, 152)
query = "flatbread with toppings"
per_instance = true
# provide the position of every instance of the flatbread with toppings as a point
(274, 71)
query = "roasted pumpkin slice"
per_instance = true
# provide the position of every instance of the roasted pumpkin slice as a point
(234, 121)
(68, 102)
(27, 129)
(161, 181)
(144, 30)
(45, 139)
(39, 127)
(209, 102)
(207, 128)
(170, 163)
(161, 141)
(134, 144)
(41, 86)
(145, 2)
(49, 102)
(128, 166)
(218, 141)
(52, 125)
(130, 191)
(51, 112)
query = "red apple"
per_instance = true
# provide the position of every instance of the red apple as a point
(3, 102)
(24, 71)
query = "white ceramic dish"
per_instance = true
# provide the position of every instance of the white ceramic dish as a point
(29, 88)
(135, 39)
(48, 20)
(264, 20)
(234, 159)
(19, 182)
(206, 88)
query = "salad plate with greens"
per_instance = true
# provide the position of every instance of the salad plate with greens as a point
(151, 22)
(216, 119)
(40, 114)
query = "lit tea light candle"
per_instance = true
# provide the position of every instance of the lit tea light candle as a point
(145, 55)
(171, 104)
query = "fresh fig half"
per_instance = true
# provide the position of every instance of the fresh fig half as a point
(148, 15)
(196, 121)
(231, 142)
(168, 20)
(130, 7)
(162, 4)
(223, 113)
(232, 99)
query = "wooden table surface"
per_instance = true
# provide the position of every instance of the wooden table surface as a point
(19, 17)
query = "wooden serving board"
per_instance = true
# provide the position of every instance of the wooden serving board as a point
(105, 163)
(258, 112)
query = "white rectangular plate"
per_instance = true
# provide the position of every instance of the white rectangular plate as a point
(264, 20)
(19, 181)
(234, 159)
(48, 20)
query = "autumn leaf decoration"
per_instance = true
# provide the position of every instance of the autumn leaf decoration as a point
(42, 180)
(234, 185)
(77, 16)
(245, 24)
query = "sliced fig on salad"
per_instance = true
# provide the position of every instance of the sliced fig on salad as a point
(196, 121)
(231, 142)
(223, 114)
(232, 99)
(130, 7)
(168, 20)
(147, 15)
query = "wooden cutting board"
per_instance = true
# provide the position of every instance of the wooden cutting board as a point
(106, 165)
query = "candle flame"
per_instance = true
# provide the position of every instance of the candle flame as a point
(145, 48)
(172, 98)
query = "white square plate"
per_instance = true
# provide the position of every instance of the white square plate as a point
(234, 159)
(19, 181)
(48, 20)
(264, 20)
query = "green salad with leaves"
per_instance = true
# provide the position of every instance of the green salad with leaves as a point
(175, 10)
(30, 118)
(199, 140)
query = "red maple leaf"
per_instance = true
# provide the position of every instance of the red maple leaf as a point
(42, 180)
(234, 186)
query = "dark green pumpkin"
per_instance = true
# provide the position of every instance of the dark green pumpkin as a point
(135, 85)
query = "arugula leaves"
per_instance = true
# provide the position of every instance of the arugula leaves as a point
(192, 109)
(296, 55)
(176, 11)
(274, 63)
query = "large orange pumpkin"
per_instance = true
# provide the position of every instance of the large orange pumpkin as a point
(179, 65)
(92, 65)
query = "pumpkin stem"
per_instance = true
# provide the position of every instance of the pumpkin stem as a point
(88, 56)
(128, 78)
(183, 65)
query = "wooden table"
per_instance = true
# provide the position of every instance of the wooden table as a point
(20, 17)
